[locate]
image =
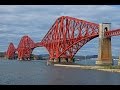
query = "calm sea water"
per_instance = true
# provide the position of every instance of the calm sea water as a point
(36, 72)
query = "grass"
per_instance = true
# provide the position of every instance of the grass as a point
(111, 67)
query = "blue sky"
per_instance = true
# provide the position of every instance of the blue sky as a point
(36, 20)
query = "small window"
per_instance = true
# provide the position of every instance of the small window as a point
(106, 29)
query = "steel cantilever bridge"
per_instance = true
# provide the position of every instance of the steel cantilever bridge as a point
(66, 36)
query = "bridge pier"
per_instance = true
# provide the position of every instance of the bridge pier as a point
(63, 60)
(104, 54)
(51, 60)
(56, 60)
(70, 60)
(20, 59)
(59, 60)
(5, 58)
(119, 61)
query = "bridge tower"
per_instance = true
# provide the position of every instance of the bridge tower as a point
(104, 53)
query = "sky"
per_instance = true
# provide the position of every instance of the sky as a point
(36, 20)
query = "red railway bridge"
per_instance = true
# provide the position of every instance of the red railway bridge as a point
(66, 36)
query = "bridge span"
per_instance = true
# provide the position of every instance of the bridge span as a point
(65, 37)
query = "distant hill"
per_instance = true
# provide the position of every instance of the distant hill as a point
(87, 56)
(46, 56)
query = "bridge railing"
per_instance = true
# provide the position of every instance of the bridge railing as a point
(112, 33)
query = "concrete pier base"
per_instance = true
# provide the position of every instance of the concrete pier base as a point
(28, 59)
(51, 60)
(104, 54)
(19, 59)
(60, 60)
(5, 58)
(56, 60)
(63, 60)
(70, 60)
(100, 62)
(119, 62)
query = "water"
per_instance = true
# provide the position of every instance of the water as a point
(36, 72)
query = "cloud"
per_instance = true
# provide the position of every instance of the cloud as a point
(36, 20)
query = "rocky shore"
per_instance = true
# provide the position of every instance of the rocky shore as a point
(101, 68)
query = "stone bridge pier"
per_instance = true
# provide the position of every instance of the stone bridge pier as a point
(104, 53)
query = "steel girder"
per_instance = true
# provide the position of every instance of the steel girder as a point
(25, 47)
(10, 53)
(112, 33)
(67, 35)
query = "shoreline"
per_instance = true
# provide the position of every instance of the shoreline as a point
(100, 68)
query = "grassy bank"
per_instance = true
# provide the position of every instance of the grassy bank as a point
(108, 68)
(111, 67)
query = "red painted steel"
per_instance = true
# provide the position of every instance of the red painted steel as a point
(66, 36)
(10, 53)
(112, 33)
(38, 44)
(25, 48)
